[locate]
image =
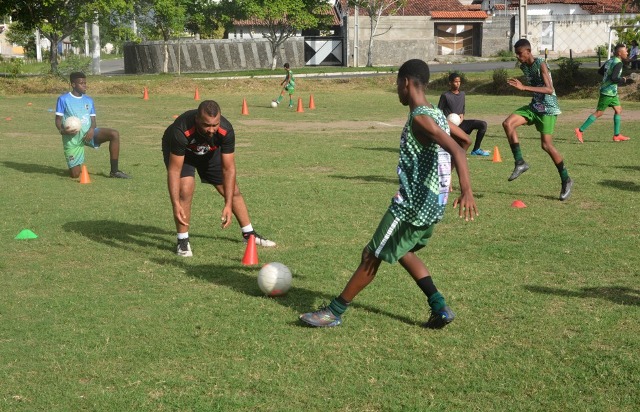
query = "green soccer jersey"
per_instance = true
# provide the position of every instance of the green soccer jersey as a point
(541, 102)
(611, 68)
(424, 173)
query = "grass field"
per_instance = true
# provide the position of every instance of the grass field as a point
(99, 314)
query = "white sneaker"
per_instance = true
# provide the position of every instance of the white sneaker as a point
(184, 248)
(260, 241)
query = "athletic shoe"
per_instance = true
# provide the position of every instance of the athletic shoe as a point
(518, 170)
(119, 174)
(479, 152)
(566, 189)
(290, 106)
(440, 319)
(260, 241)
(184, 248)
(321, 318)
(620, 138)
(578, 134)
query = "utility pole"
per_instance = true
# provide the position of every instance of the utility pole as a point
(95, 37)
(523, 19)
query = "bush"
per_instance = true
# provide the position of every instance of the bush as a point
(567, 75)
(499, 85)
(506, 55)
(72, 64)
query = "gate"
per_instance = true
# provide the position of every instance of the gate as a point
(323, 51)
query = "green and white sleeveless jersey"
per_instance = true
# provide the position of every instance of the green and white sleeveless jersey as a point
(609, 87)
(291, 82)
(424, 173)
(541, 102)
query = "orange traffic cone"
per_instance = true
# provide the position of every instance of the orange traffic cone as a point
(250, 254)
(300, 109)
(197, 95)
(496, 155)
(312, 104)
(518, 204)
(84, 176)
(145, 96)
(245, 110)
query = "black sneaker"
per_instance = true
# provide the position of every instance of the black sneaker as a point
(440, 319)
(184, 248)
(119, 174)
(566, 189)
(321, 318)
(518, 170)
(260, 241)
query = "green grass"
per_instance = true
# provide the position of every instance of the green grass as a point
(99, 314)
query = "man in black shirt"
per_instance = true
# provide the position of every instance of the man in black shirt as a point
(203, 140)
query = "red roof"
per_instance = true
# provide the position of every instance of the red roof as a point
(458, 15)
(592, 6)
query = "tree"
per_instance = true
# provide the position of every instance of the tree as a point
(165, 18)
(281, 19)
(17, 34)
(57, 19)
(374, 9)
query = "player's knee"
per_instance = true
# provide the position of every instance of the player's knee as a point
(483, 126)
(506, 125)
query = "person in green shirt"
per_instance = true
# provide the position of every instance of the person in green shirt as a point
(611, 71)
(289, 86)
(542, 111)
(424, 174)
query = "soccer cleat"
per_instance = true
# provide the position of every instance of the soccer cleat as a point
(321, 318)
(119, 174)
(518, 170)
(620, 138)
(480, 152)
(578, 135)
(440, 319)
(565, 192)
(260, 241)
(184, 248)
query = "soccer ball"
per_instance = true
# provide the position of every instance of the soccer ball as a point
(454, 118)
(274, 104)
(72, 124)
(274, 279)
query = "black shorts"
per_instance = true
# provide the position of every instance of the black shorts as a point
(209, 166)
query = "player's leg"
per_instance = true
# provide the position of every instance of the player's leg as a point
(282, 92)
(106, 134)
(617, 137)
(185, 198)
(510, 125)
(481, 128)
(211, 172)
(74, 155)
(547, 145)
(290, 91)
(603, 103)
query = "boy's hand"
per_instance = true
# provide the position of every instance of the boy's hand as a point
(467, 205)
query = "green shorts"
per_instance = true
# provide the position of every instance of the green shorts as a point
(395, 238)
(290, 88)
(74, 150)
(545, 123)
(607, 101)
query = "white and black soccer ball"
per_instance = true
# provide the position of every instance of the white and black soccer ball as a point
(454, 118)
(72, 124)
(274, 279)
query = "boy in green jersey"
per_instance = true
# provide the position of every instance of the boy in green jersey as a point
(289, 86)
(611, 71)
(541, 112)
(424, 172)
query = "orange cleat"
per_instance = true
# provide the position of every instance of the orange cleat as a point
(579, 135)
(620, 138)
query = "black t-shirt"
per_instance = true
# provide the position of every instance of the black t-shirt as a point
(182, 137)
(451, 102)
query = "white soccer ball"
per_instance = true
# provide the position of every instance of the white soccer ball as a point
(274, 279)
(454, 118)
(72, 124)
(274, 104)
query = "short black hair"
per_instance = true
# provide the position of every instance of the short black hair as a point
(76, 75)
(453, 76)
(522, 43)
(209, 107)
(618, 47)
(286, 65)
(415, 69)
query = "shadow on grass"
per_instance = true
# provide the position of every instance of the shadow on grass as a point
(615, 294)
(368, 179)
(242, 279)
(621, 184)
(36, 168)
(630, 168)
(122, 235)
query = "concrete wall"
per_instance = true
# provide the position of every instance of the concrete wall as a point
(194, 56)
(497, 34)
(410, 37)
